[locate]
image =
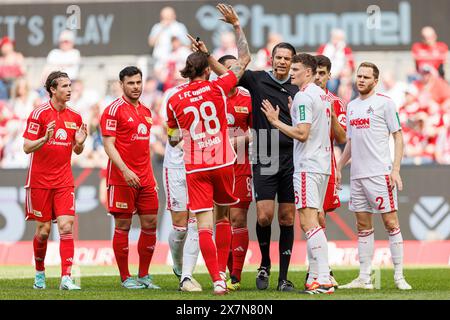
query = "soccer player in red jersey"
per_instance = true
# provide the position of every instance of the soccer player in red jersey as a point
(197, 115)
(239, 116)
(53, 131)
(338, 123)
(132, 188)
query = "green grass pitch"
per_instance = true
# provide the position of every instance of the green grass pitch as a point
(103, 283)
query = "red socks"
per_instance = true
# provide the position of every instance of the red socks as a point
(40, 248)
(209, 253)
(146, 247)
(239, 247)
(66, 250)
(120, 246)
(223, 242)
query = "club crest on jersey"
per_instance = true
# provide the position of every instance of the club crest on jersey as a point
(70, 125)
(33, 128)
(61, 134)
(230, 119)
(121, 205)
(149, 120)
(142, 129)
(111, 124)
(240, 109)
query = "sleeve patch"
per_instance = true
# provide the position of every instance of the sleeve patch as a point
(33, 128)
(111, 125)
(301, 109)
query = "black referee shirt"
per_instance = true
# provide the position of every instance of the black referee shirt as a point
(263, 85)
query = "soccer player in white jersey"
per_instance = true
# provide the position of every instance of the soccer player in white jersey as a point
(183, 238)
(374, 179)
(311, 117)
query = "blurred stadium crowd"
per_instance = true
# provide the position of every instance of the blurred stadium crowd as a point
(423, 97)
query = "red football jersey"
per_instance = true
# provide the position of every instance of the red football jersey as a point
(239, 116)
(341, 114)
(131, 126)
(50, 166)
(434, 56)
(199, 111)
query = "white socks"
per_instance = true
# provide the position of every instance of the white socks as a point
(365, 252)
(318, 247)
(191, 249)
(312, 270)
(396, 246)
(176, 243)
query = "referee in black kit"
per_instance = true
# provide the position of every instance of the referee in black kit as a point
(273, 165)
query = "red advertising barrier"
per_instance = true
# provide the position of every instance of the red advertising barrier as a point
(341, 253)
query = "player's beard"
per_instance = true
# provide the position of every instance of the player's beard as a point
(366, 90)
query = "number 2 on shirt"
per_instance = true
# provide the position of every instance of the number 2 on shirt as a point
(206, 119)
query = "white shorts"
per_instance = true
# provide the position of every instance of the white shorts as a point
(175, 189)
(373, 195)
(310, 189)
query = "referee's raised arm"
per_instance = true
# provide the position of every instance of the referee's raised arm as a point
(229, 16)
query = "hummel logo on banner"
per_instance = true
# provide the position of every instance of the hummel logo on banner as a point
(287, 253)
(239, 249)
(130, 119)
(430, 219)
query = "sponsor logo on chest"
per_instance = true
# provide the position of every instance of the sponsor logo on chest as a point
(360, 123)
(142, 133)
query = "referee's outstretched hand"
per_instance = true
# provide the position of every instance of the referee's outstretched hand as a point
(270, 112)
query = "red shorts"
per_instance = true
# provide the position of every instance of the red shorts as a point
(47, 204)
(124, 201)
(331, 201)
(211, 186)
(243, 191)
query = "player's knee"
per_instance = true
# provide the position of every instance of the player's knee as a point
(391, 225)
(123, 225)
(286, 220)
(306, 225)
(264, 221)
(238, 222)
(149, 224)
(322, 221)
(43, 234)
(65, 228)
(286, 217)
(363, 225)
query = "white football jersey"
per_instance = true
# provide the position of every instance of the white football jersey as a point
(312, 105)
(369, 124)
(173, 156)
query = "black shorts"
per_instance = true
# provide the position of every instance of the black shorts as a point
(269, 184)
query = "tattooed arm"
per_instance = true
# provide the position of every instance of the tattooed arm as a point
(229, 16)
